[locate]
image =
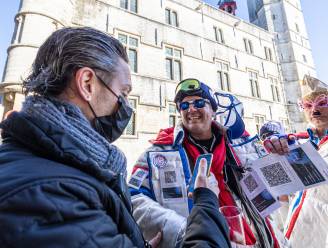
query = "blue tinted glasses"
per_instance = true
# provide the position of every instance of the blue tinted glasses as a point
(198, 103)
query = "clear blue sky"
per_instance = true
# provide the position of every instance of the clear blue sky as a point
(315, 15)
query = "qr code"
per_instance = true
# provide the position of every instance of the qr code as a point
(135, 182)
(140, 173)
(275, 174)
(170, 177)
(250, 183)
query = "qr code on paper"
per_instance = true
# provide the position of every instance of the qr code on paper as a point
(140, 173)
(250, 183)
(135, 182)
(170, 177)
(275, 174)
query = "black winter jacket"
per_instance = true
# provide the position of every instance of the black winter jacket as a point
(47, 200)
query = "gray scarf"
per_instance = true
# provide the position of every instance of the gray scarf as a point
(86, 140)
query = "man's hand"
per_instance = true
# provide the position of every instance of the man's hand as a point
(283, 198)
(203, 181)
(278, 145)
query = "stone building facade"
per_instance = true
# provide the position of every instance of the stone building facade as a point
(285, 20)
(167, 40)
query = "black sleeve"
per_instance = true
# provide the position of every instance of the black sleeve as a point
(206, 227)
(57, 214)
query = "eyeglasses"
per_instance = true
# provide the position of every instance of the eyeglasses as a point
(120, 98)
(198, 103)
(320, 102)
(187, 85)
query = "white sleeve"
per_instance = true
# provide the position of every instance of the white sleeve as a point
(152, 218)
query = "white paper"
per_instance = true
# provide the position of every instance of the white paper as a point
(275, 175)
(256, 191)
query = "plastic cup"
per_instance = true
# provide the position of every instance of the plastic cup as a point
(234, 218)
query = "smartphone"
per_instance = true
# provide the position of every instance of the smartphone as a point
(208, 157)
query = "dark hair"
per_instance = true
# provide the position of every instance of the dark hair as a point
(67, 50)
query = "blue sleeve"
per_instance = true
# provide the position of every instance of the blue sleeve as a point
(58, 214)
(206, 227)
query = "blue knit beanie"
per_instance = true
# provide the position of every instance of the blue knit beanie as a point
(204, 91)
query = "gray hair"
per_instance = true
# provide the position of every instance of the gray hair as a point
(67, 50)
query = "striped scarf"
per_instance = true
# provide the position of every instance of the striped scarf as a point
(84, 143)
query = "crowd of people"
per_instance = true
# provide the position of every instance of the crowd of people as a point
(64, 184)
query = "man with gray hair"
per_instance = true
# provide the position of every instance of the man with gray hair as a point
(62, 182)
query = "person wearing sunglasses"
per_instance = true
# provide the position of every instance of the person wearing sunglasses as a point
(161, 176)
(307, 217)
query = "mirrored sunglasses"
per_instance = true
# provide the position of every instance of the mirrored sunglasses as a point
(187, 85)
(198, 103)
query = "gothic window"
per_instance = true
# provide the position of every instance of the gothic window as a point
(131, 46)
(131, 5)
(173, 63)
(171, 17)
(131, 127)
(223, 77)
(245, 45)
(248, 46)
(275, 89)
(255, 89)
(268, 53)
(218, 34)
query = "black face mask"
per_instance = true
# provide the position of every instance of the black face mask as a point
(112, 126)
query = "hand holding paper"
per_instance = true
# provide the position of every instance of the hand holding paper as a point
(275, 175)
(202, 177)
(278, 144)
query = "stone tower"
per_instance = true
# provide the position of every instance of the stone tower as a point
(34, 23)
(285, 19)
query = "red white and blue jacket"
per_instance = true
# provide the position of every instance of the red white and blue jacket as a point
(161, 175)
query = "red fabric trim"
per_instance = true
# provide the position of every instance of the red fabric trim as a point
(245, 134)
(138, 167)
(323, 140)
(301, 135)
(164, 137)
(295, 217)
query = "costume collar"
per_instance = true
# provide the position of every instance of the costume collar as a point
(314, 136)
(179, 132)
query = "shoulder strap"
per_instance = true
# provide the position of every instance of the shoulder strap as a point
(232, 174)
